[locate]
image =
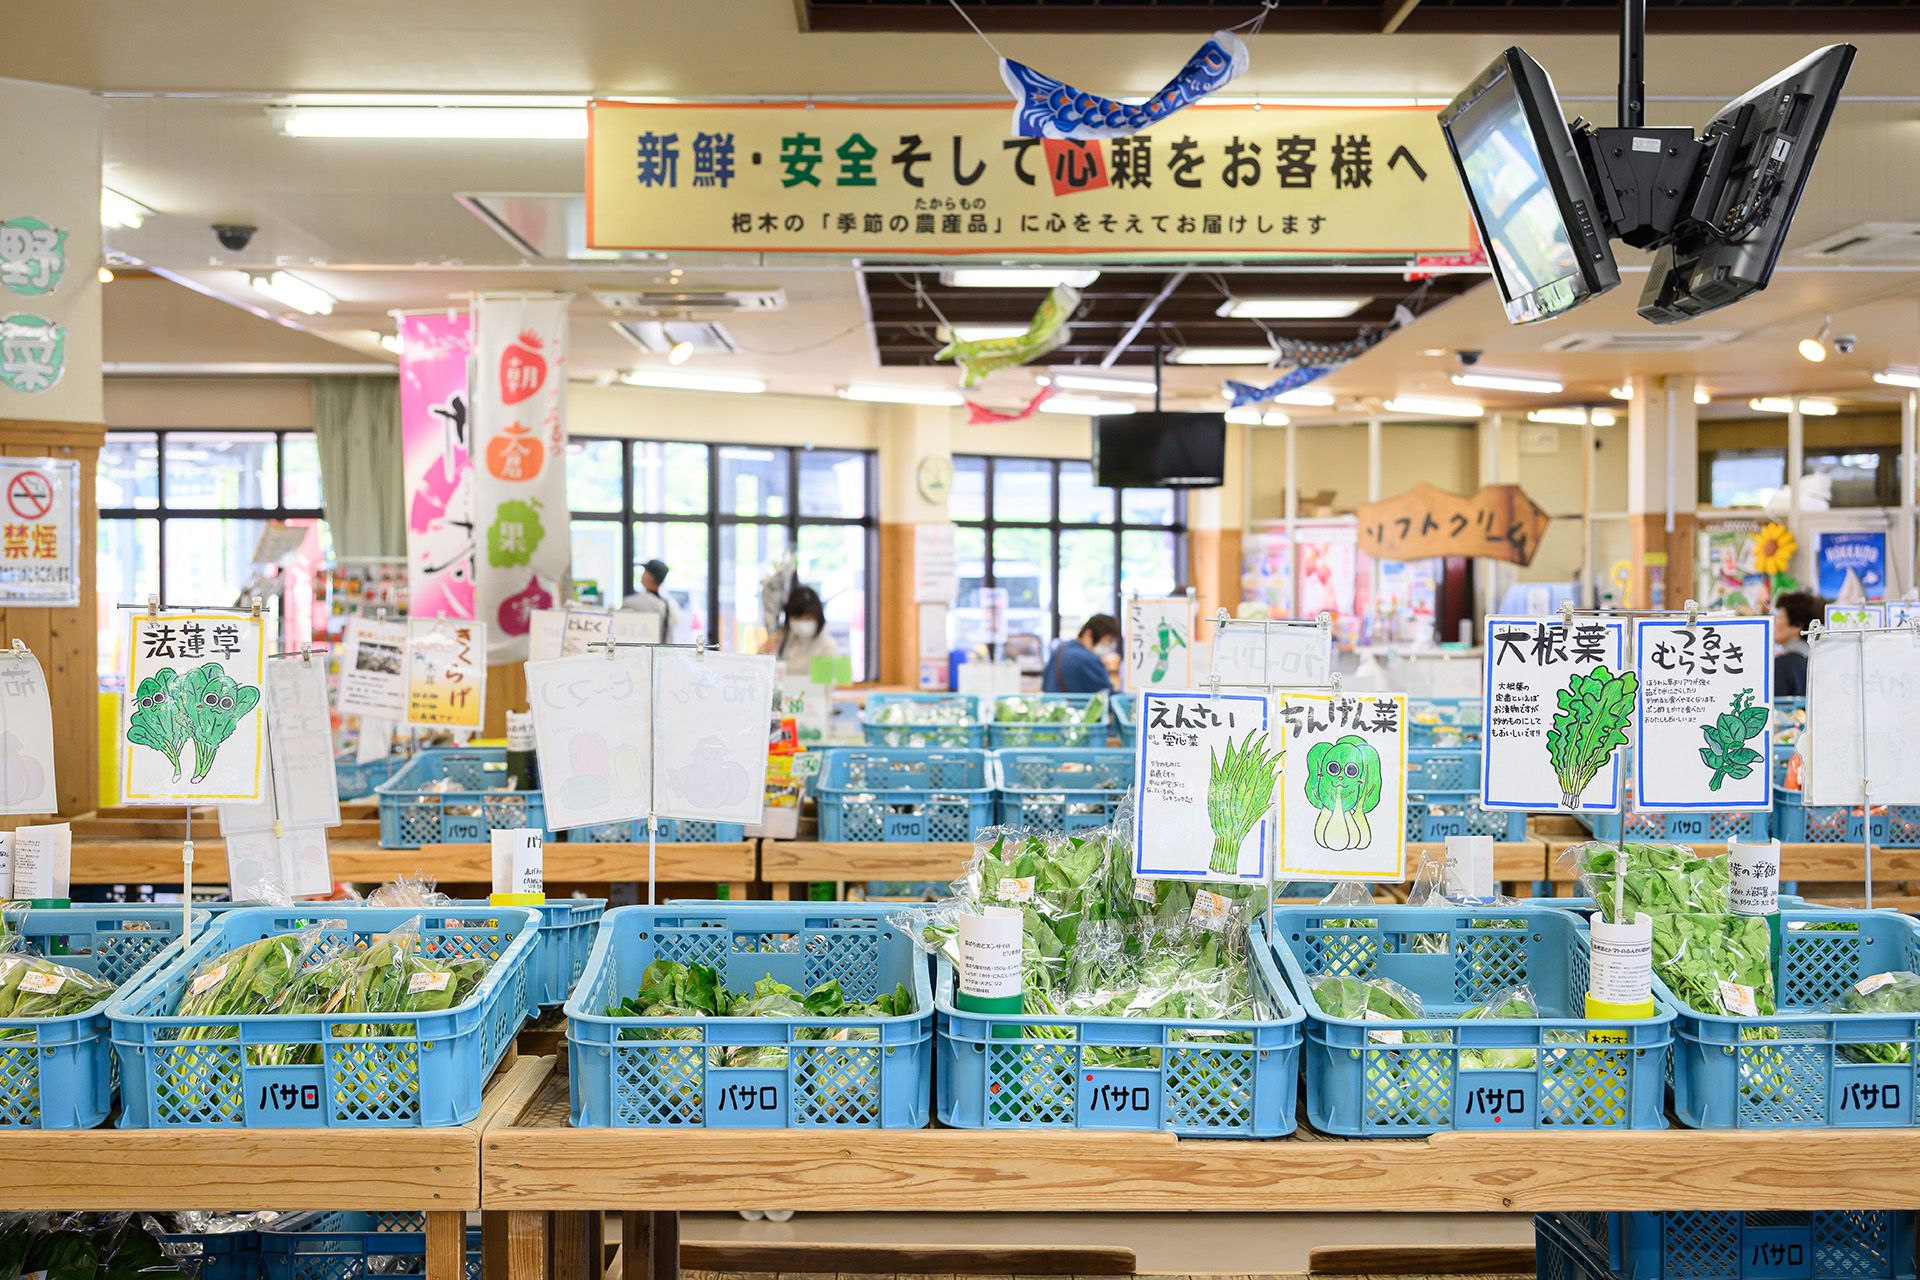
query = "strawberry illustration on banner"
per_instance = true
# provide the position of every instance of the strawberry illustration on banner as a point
(522, 542)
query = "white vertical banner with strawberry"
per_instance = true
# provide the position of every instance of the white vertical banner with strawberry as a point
(522, 543)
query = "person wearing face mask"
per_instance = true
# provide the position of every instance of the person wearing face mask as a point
(1076, 665)
(802, 636)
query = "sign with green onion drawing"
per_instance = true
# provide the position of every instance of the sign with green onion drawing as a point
(191, 725)
(1559, 705)
(1206, 778)
(1343, 797)
(1701, 738)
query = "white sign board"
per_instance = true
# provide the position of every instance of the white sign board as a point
(1702, 735)
(446, 673)
(373, 670)
(306, 788)
(934, 574)
(1901, 613)
(711, 734)
(1889, 661)
(1855, 617)
(191, 725)
(1343, 786)
(39, 532)
(1159, 643)
(1272, 654)
(26, 736)
(42, 862)
(811, 706)
(593, 726)
(1558, 707)
(1206, 777)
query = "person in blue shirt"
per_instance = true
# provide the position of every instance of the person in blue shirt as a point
(1076, 666)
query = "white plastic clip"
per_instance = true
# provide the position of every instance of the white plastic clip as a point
(1221, 615)
(153, 608)
(255, 610)
(1334, 680)
(19, 645)
(1323, 620)
(306, 655)
(1213, 685)
(1693, 614)
(613, 649)
(1566, 615)
(700, 650)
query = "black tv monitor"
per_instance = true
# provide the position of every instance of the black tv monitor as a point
(1763, 147)
(1528, 192)
(1160, 450)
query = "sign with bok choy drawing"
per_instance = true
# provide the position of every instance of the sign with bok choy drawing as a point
(1558, 708)
(1701, 736)
(1343, 786)
(1206, 779)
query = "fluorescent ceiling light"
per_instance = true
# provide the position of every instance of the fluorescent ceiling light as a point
(1602, 418)
(1781, 404)
(901, 395)
(1622, 392)
(982, 332)
(430, 122)
(1311, 399)
(1898, 377)
(1291, 308)
(1431, 407)
(1700, 396)
(302, 296)
(1222, 355)
(1559, 417)
(117, 210)
(1118, 386)
(1250, 416)
(1508, 382)
(391, 341)
(106, 275)
(1244, 417)
(681, 352)
(676, 381)
(1085, 406)
(1012, 277)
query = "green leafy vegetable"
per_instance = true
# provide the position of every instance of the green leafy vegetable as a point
(1727, 752)
(32, 987)
(1239, 790)
(1883, 993)
(215, 703)
(1594, 710)
(1511, 1002)
(1661, 879)
(161, 720)
(1343, 782)
(1694, 954)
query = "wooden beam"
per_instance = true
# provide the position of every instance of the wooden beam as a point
(158, 861)
(803, 861)
(1421, 1260)
(1395, 12)
(824, 1258)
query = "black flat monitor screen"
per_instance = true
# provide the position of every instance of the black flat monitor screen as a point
(1160, 450)
(1507, 182)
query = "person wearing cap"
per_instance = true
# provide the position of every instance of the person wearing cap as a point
(649, 600)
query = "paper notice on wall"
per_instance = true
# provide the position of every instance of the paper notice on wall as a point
(711, 734)
(594, 731)
(191, 725)
(306, 787)
(1558, 708)
(1703, 733)
(373, 670)
(934, 576)
(26, 736)
(1207, 776)
(1343, 786)
(42, 862)
(1159, 643)
(446, 673)
(1889, 664)
(1272, 654)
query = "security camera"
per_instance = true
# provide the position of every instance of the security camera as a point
(1468, 357)
(234, 235)
(1845, 343)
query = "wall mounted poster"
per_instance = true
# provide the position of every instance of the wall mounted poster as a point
(1888, 662)
(1852, 564)
(446, 673)
(1271, 654)
(1343, 786)
(1558, 707)
(1702, 735)
(1159, 642)
(373, 670)
(26, 736)
(1205, 778)
(192, 727)
(39, 532)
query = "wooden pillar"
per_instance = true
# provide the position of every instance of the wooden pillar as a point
(67, 641)
(899, 616)
(446, 1246)
(650, 1246)
(506, 691)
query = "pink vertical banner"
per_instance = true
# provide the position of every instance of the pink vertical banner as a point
(436, 436)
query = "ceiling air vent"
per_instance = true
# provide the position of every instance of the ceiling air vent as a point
(1867, 242)
(673, 302)
(1640, 342)
(659, 337)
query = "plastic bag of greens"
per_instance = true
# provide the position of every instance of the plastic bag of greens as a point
(1508, 1002)
(391, 976)
(35, 987)
(416, 892)
(1716, 964)
(1896, 993)
(1375, 1000)
(1661, 878)
(249, 979)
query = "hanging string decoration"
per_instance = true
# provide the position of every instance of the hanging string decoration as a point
(1048, 108)
(1047, 331)
(978, 415)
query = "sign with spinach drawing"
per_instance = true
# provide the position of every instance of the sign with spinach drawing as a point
(1558, 707)
(192, 728)
(1701, 735)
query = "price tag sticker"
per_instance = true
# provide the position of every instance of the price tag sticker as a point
(1143, 890)
(1015, 889)
(1866, 986)
(428, 982)
(208, 980)
(1737, 998)
(1382, 1037)
(1211, 911)
(42, 984)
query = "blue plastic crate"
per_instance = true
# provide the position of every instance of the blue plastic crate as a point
(425, 1070)
(1783, 1071)
(1895, 826)
(971, 734)
(1435, 815)
(1831, 1244)
(1197, 1078)
(347, 1245)
(1444, 722)
(567, 926)
(903, 794)
(669, 1072)
(411, 816)
(670, 831)
(215, 1255)
(1126, 719)
(1360, 1084)
(1711, 828)
(1061, 788)
(1065, 733)
(56, 1073)
(359, 780)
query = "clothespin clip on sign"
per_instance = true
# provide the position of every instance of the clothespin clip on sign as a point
(1334, 680)
(153, 608)
(255, 610)
(19, 645)
(700, 650)
(1323, 620)
(1566, 614)
(306, 655)
(613, 650)
(1693, 614)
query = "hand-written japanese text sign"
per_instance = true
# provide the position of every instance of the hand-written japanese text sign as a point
(1272, 654)
(1557, 708)
(1702, 735)
(942, 179)
(593, 727)
(192, 727)
(1206, 777)
(446, 672)
(1343, 786)
(1499, 523)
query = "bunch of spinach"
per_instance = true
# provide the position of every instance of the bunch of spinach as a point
(1694, 954)
(1727, 752)
(1895, 993)
(1661, 878)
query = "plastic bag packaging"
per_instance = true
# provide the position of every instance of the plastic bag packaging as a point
(1660, 879)
(415, 892)
(1375, 1000)
(35, 987)
(262, 892)
(1349, 893)
(1430, 888)
(1896, 993)
(392, 976)
(250, 979)
(1508, 1002)
(1715, 964)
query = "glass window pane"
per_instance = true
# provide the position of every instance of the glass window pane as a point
(1081, 500)
(833, 482)
(128, 473)
(969, 564)
(126, 562)
(300, 455)
(1146, 563)
(753, 482)
(221, 471)
(1855, 476)
(209, 561)
(968, 501)
(1086, 576)
(747, 554)
(1023, 564)
(593, 476)
(682, 545)
(1146, 506)
(669, 479)
(1022, 489)
(1740, 477)
(832, 559)
(596, 558)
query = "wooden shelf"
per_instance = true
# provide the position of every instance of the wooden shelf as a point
(151, 861)
(1523, 861)
(801, 861)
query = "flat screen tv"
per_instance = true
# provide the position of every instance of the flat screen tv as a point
(1160, 450)
(1528, 192)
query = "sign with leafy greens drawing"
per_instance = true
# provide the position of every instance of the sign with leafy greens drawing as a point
(192, 728)
(1206, 778)
(1343, 794)
(1701, 736)
(1558, 707)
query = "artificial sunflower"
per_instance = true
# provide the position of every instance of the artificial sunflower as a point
(1773, 549)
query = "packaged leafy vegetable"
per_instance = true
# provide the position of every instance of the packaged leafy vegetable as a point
(35, 987)
(1509, 1002)
(1896, 993)
(1661, 878)
(1715, 964)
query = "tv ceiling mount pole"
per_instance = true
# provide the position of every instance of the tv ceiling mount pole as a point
(1640, 175)
(1633, 64)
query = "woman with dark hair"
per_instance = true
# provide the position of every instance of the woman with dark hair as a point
(1792, 613)
(802, 636)
(1076, 666)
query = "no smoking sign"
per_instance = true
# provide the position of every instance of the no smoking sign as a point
(30, 495)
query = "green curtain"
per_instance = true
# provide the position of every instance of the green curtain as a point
(357, 422)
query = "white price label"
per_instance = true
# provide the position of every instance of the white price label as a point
(208, 980)
(1382, 1037)
(1737, 998)
(42, 984)
(1866, 986)
(428, 982)
(1015, 889)
(1143, 890)
(1211, 911)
